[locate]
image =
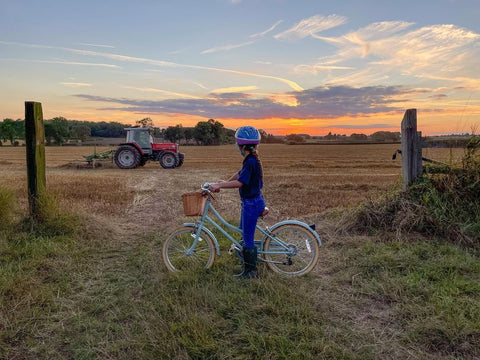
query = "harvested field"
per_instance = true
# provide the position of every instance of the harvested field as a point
(300, 180)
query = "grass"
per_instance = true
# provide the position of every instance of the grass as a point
(92, 285)
(433, 289)
(445, 204)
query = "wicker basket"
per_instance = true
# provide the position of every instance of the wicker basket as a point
(193, 203)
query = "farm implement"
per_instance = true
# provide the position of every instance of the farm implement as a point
(103, 156)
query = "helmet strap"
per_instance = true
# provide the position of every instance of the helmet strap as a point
(240, 149)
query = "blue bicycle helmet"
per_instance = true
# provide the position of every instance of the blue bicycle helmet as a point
(247, 135)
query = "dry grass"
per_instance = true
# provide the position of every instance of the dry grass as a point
(300, 181)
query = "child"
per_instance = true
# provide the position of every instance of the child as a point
(249, 180)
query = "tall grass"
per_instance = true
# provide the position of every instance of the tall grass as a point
(443, 203)
(7, 206)
(33, 259)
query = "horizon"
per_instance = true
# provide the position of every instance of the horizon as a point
(279, 65)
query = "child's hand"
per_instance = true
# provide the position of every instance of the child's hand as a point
(215, 187)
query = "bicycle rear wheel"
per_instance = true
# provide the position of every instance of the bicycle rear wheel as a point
(178, 256)
(301, 254)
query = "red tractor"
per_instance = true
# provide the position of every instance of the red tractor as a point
(140, 148)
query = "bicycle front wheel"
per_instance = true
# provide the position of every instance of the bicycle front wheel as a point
(295, 252)
(179, 255)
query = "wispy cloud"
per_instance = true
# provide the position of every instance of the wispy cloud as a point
(235, 89)
(161, 63)
(311, 26)
(166, 92)
(60, 62)
(226, 47)
(97, 45)
(76, 84)
(393, 48)
(270, 29)
(263, 62)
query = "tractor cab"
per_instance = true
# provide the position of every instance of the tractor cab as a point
(141, 137)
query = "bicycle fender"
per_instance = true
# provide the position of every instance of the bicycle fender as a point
(300, 223)
(209, 234)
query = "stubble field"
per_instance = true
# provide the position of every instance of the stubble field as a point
(300, 181)
(110, 296)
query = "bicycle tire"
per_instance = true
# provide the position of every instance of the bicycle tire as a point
(174, 250)
(302, 241)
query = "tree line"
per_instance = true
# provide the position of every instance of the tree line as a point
(59, 131)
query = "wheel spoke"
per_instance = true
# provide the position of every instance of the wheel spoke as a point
(298, 258)
(179, 255)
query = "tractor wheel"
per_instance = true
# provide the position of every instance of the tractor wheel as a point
(180, 159)
(168, 160)
(127, 157)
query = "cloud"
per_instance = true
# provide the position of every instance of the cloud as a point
(394, 48)
(234, 89)
(438, 96)
(226, 47)
(320, 102)
(75, 84)
(161, 63)
(270, 29)
(60, 62)
(97, 45)
(311, 26)
(166, 92)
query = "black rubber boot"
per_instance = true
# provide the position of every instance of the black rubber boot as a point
(249, 264)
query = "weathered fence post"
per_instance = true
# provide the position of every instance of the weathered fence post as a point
(411, 148)
(35, 146)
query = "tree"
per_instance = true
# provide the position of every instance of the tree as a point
(174, 133)
(358, 136)
(81, 132)
(158, 133)
(7, 130)
(385, 136)
(104, 129)
(295, 138)
(145, 122)
(57, 129)
(204, 133)
(218, 131)
(188, 133)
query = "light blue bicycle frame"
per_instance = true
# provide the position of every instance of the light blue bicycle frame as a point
(267, 232)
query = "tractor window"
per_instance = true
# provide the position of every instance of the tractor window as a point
(142, 138)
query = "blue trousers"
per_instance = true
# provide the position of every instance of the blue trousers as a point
(251, 210)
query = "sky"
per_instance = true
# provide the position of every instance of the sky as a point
(285, 66)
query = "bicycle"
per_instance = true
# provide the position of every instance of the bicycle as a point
(289, 247)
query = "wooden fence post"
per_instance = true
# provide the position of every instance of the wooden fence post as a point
(35, 146)
(411, 148)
